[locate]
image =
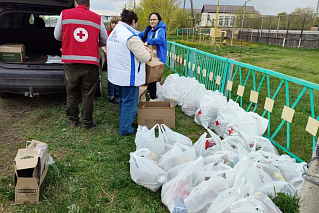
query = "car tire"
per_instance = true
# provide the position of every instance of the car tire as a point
(4, 95)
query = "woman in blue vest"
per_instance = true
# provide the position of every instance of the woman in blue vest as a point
(126, 57)
(155, 34)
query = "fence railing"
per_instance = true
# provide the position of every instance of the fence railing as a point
(263, 91)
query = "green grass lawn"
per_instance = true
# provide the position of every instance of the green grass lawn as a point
(94, 168)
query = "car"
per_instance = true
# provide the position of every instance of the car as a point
(19, 25)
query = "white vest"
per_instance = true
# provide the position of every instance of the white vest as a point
(122, 66)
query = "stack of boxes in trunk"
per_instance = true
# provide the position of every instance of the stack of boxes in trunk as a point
(158, 112)
(30, 172)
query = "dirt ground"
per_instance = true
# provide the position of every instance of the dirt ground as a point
(13, 112)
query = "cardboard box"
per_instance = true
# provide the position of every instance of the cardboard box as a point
(44, 151)
(29, 189)
(154, 70)
(154, 50)
(157, 112)
(30, 172)
(12, 53)
(314, 29)
(142, 93)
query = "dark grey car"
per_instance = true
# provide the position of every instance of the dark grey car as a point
(34, 76)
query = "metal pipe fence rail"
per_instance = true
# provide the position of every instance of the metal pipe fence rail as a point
(282, 99)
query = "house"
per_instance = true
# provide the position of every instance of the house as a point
(227, 15)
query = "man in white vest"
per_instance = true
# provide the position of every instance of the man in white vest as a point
(126, 57)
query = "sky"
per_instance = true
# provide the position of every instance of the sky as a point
(265, 7)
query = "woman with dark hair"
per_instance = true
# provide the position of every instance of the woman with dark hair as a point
(155, 34)
(126, 56)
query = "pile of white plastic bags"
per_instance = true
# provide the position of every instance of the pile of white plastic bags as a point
(235, 174)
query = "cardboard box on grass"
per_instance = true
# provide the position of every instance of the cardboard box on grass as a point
(142, 93)
(157, 112)
(28, 178)
(154, 68)
(12, 53)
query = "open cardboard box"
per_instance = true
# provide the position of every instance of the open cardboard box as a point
(142, 93)
(12, 53)
(30, 173)
(157, 112)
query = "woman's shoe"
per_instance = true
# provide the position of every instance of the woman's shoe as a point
(113, 101)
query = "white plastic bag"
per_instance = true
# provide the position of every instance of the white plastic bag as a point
(171, 137)
(246, 124)
(192, 100)
(207, 112)
(257, 203)
(145, 138)
(224, 200)
(180, 182)
(205, 193)
(144, 171)
(207, 146)
(178, 155)
(225, 115)
(261, 143)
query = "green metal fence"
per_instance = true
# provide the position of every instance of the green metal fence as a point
(263, 91)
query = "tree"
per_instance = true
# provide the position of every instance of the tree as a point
(298, 15)
(168, 9)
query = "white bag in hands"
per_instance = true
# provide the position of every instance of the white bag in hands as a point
(225, 115)
(144, 171)
(145, 138)
(207, 146)
(246, 125)
(180, 154)
(171, 138)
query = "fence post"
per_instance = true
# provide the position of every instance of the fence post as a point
(261, 27)
(182, 33)
(278, 26)
(200, 35)
(187, 34)
(269, 29)
(193, 33)
(284, 42)
(177, 31)
(257, 39)
(303, 25)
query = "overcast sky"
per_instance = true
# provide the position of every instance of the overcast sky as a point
(265, 7)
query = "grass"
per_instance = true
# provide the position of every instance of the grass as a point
(94, 169)
(299, 63)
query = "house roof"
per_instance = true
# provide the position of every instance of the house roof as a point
(196, 11)
(208, 8)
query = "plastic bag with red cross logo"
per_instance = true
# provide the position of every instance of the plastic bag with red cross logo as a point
(192, 100)
(225, 115)
(207, 146)
(246, 125)
(209, 107)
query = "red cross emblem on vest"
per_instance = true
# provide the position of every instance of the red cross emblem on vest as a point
(80, 34)
(199, 112)
(217, 123)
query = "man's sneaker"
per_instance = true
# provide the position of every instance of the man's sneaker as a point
(89, 127)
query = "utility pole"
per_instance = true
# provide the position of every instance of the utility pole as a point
(214, 38)
(193, 14)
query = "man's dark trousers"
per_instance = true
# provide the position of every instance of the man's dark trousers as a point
(80, 81)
